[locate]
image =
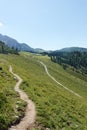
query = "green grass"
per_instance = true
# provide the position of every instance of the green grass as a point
(56, 108)
(8, 97)
(71, 80)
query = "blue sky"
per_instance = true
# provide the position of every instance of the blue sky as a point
(47, 24)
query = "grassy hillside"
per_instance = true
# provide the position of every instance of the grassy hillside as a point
(4, 49)
(10, 104)
(56, 108)
(74, 81)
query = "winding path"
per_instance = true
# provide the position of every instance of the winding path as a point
(30, 114)
(57, 81)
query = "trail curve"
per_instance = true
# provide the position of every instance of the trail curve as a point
(46, 70)
(30, 114)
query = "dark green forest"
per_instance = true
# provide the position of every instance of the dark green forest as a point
(5, 49)
(76, 59)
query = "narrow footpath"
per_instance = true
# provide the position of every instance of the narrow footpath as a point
(46, 70)
(30, 113)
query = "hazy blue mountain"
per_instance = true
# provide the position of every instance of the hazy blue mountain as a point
(10, 41)
(71, 49)
(15, 44)
(25, 47)
(39, 50)
(20, 46)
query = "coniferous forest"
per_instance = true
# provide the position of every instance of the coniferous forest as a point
(5, 49)
(75, 59)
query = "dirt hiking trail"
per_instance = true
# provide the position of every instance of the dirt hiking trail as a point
(30, 113)
(46, 70)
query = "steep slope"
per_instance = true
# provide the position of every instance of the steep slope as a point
(30, 113)
(10, 41)
(56, 107)
(4, 49)
(11, 107)
(15, 44)
(25, 47)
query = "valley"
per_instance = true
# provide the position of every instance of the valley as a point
(56, 108)
(43, 65)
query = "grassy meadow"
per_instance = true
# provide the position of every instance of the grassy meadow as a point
(11, 107)
(56, 108)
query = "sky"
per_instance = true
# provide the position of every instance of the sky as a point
(46, 24)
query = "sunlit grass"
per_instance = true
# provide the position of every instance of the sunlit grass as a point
(56, 108)
(8, 97)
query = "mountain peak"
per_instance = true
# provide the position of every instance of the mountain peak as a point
(14, 43)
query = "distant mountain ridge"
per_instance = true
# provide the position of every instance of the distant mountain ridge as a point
(20, 46)
(71, 49)
(11, 42)
(25, 47)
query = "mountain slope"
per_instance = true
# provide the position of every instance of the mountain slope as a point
(71, 49)
(10, 41)
(56, 107)
(25, 47)
(14, 43)
(4, 49)
(38, 50)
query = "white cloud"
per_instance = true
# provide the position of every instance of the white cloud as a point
(1, 24)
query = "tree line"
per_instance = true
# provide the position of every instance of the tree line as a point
(76, 59)
(5, 49)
